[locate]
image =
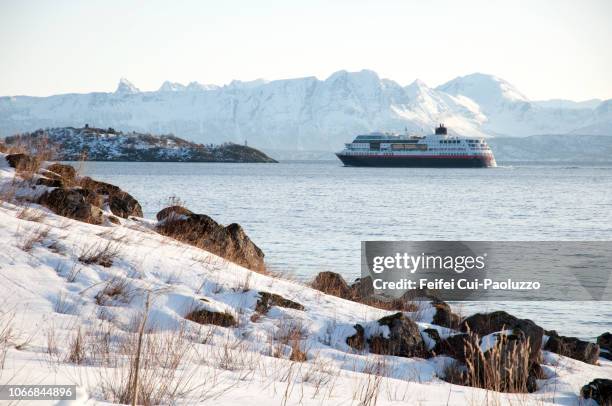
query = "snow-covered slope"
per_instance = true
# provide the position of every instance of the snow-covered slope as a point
(305, 113)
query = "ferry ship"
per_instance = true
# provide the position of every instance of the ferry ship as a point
(436, 150)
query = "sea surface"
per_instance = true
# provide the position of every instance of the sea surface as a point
(311, 216)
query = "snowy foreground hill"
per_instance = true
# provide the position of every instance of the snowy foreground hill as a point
(96, 144)
(308, 113)
(75, 297)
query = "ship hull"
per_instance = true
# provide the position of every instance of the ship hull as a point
(421, 161)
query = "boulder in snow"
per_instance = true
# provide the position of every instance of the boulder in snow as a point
(332, 283)
(203, 316)
(229, 242)
(599, 390)
(71, 203)
(21, 162)
(404, 338)
(121, 203)
(487, 323)
(573, 347)
(267, 300)
(66, 172)
(605, 341)
(357, 340)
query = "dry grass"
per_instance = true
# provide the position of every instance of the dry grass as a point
(117, 289)
(149, 369)
(30, 214)
(7, 334)
(76, 348)
(34, 237)
(102, 254)
(504, 368)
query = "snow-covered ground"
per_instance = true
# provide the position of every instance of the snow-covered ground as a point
(75, 323)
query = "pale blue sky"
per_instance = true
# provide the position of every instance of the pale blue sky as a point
(547, 49)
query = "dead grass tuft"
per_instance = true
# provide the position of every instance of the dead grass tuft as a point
(34, 237)
(102, 254)
(117, 289)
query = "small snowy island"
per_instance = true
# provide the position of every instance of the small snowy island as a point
(97, 144)
(182, 310)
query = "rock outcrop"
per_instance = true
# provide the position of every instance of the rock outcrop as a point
(66, 172)
(357, 340)
(573, 347)
(444, 316)
(487, 323)
(605, 341)
(120, 203)
(230, 242)
(73, 204)
(600, 390)
(203, 316)
(267, 300)
(404, 338)
(21, 162)
(332, 283)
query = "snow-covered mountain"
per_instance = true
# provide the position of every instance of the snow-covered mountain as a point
(308, 113)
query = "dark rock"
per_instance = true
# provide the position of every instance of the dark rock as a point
(67, 172)
(532, 384)
(357, 340)
(91, 197)
(332, 283)
(574, 348)
(361, 289)
(21, 162)
(101, 188)
(229, 242)
(203, 316)
(71, 203)
(267, 300)
(487, 323)
(600, 390)
(114, 220)
(173, 212)
(455, 346)
(605, 341)
(121, 203)
(536, 371)
(44, 181)
(606, 355)
(433, 334)
(444, 316)
(404, 340)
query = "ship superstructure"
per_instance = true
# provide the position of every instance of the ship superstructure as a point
(436, 150)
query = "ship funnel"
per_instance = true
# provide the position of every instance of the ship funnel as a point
(441, 130)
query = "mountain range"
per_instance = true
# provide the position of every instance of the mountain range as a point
(308, 113)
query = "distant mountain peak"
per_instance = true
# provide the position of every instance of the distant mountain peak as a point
(362, 74)
(484, 89)
(168, 86)
(126, 87)
(239, 84)
(200, 87)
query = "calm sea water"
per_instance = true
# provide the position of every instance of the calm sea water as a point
(311, 216)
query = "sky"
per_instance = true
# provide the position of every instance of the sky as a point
(546, 48)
